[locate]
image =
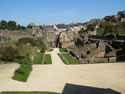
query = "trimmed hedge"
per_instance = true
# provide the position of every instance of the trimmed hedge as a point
(22, 73)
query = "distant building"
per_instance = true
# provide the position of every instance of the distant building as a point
(33, 28)
(60, 27)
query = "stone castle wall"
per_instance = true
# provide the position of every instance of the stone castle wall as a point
(67, 38)
(7, 35)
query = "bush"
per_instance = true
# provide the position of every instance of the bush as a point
(34, 43)
(24, 50)
(25, 41)
(91, 27)
(8, 53)
(22, 73)
(24, 60)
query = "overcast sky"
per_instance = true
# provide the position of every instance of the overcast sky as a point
(57, 11)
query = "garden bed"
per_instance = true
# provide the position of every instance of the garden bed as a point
(70, 59)
(63, 60)
(38, 58)
(22, 73)
(48, 59)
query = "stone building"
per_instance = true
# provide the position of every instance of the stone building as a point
(66, 39)
(33, 28)
(60, 27)
(51, 37)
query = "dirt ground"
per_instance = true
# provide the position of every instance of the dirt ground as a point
(54, 77)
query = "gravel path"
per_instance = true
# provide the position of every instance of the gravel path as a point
(54, 77)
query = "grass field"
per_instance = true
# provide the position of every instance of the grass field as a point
(22, 73)
(38, 58)
(70, 59)
(63, 60)
(48, 59)
(28, 93)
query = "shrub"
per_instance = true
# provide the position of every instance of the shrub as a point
(24, 60)
(24, 50)
(91, 27)
(22, 73)
(34, 43)
(8, 53)
(25, 41)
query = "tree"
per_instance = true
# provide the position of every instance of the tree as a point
(91, 27)
(8, 53)
(104, 24)
(12, 25)
(111, 19)
(3, 24)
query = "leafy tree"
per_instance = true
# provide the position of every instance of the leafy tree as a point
(91, 27)
(24, 50)
(12, 25)
(104, 24)
(3, 24)
(111, 19)
(8, 53)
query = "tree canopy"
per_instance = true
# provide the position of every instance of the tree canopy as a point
(11, 25)
(91, 27)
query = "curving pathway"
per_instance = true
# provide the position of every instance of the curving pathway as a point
(54, 77)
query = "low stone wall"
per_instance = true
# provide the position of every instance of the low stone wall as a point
(99, 60)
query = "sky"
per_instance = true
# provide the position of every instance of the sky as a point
(50, 12)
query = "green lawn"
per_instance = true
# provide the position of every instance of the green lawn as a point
(48, 59)
(28, 93)
(38, 58)
(50, 50)
(22, 73)
(63, 60)
(61, 50)
(70, 59)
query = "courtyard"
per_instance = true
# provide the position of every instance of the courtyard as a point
(53, 77)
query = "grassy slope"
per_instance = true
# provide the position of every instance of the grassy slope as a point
(28, 93)
(48, 59)
(70, 59)
(22, 73)
(38, 58)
